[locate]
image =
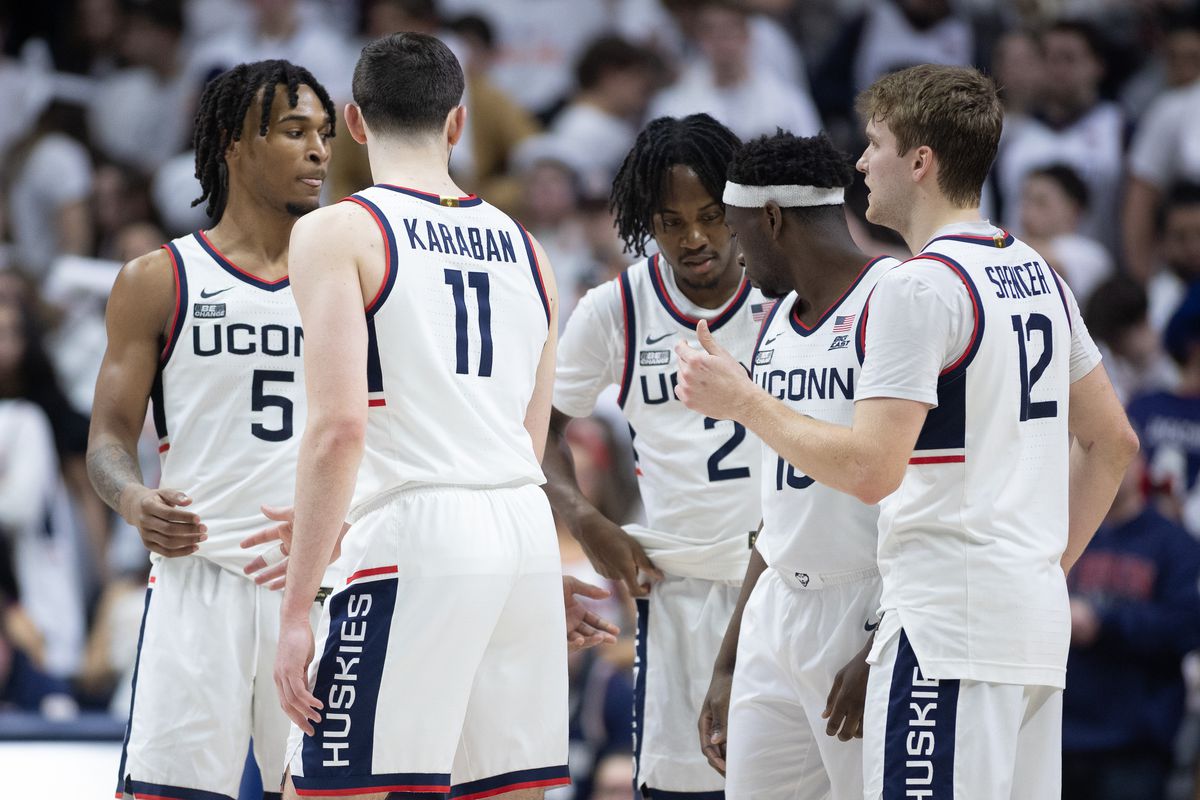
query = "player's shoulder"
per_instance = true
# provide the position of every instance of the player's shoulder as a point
(149, 272)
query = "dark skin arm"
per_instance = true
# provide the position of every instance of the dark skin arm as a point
(714, 711)
(847, 698)
(613, 552)
(139, 312)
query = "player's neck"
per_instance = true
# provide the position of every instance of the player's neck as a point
(929, 217)
(823, 273)
(414, 165)
(254, 239)
(716, 295)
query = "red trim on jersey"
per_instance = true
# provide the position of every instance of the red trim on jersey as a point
(376, 402)
(734, 301)
(974, 306)
(229, 263)
(387, 253)
(162, 448)
(825, 314)
(937, 460)
(537, 270)
(563, 781)
(367, 573)
(443, 789)
(140, 796)
(153, 579)
(174, 317)
(437, 197)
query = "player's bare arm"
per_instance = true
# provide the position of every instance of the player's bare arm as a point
(537, 414)
(867, 460)
(848, 696)
(329, 249)
(1104, 444)
(140, 311)
(714, 710)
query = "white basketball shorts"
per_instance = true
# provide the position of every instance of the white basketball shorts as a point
(956, 739)
(680, 627)
(442, 656)
(793, 642)
(203, 686)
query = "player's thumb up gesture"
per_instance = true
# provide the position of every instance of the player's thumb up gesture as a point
(711, 381)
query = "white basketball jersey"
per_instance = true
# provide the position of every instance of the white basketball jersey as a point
(810, 528)
(699, 477)
(970, 542)
(228, 400)
(456, 332)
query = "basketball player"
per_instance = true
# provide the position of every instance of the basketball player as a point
(430, 322)
(207, 327)
(698, 477)
(801, 620)
(978, 373)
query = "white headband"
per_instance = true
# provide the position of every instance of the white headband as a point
(787, 196)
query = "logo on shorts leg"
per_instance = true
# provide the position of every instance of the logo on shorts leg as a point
(803, 578)
(342, 692)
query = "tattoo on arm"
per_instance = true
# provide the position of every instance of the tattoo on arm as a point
(111, 468)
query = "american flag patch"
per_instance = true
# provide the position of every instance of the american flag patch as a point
(759, 311)
(843, 324)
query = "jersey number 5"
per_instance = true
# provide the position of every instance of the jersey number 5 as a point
(1029, 377)
(261, 401)
(479, 282)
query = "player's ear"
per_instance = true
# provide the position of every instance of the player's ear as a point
(355, 123)
(456, 123)
(922, 162)
(773, 215)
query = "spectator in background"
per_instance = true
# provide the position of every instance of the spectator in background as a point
(597, 127)
(48, 183)
(1179, 251)
(749, 102)
(549, 208)
(1135, 613)
(1165, 151)
(1019, 72)
(141, 115)
(1117, 315)
(1071, 125)
(1053, 202)
(1168, 421)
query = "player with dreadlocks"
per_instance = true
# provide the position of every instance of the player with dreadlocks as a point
(206, 327)
(786, 700)
(699, 479)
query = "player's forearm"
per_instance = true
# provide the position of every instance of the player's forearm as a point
(1137, 223)
(1096, 474)
(112, 467)
(561, 487)
(834, 455)
(326, 472)
(727, 654)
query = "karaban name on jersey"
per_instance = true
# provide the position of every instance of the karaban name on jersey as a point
(808, 528)
(228, 399)
(455, 335)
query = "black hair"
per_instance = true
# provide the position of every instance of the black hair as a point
(223, 108)
(1115, 305)
(474, 25)
(1183, 193)
(609, 54)
(160, 13)
(407, 83)
(794, 160)
(697, 141)
(1068, 180)
(1086, 31)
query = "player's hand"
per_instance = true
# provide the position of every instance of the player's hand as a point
(848, 697)
(616, 555)
(270, 568)
(714, 719)
(585, 628)
(711, 381)
(1085, 623)
(292, 657)
(165, 527)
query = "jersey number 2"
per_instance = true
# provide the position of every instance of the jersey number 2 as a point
(1029, 377)
(715, 471)
(479, 282)
(261, 401)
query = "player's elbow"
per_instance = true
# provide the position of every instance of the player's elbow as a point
(875, 480)
(1125, 443)
(339, 433)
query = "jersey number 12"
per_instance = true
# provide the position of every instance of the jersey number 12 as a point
(1025, 330)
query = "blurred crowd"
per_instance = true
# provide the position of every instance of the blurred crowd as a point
(1099, 169)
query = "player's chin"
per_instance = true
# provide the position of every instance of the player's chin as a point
(300, 207)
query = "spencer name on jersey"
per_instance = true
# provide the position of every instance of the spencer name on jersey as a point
(228, 399)
(455, 335)
(813, 373)
(1018, 281)
(481, 244)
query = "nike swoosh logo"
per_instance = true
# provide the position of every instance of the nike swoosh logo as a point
(657, 339)
(868, 626)
(773, 338)
(205, 294)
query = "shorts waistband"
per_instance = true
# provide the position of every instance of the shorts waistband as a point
(414, 490)
(798, 579)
